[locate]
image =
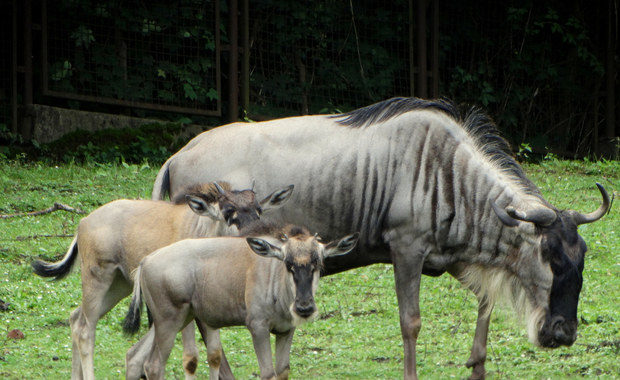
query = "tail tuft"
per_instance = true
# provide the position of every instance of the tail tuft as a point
(60, 269)
(131, 323)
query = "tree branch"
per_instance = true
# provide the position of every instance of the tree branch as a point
(57, 206)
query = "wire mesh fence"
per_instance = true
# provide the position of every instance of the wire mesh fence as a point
(537, 68)
(160, 55)
(310, 57)
(6, 74)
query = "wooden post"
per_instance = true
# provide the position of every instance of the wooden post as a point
(233, 65)
(421, 46)
(245, 64)
(610, 70)
(435, 58)
(26, 120)
(412, 81)
(14, 72)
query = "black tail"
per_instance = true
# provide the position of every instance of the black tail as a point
(59, 269)
(161, 187)
(131, 324)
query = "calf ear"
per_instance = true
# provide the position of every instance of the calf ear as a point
(277, 199)
(342, 246)
(204, 208)
(263, 248)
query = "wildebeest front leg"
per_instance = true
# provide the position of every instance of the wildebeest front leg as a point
(283, 354)
(479, 348)
(262, 348)
(407, 275)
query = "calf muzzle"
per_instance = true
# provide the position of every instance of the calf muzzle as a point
(305, 309)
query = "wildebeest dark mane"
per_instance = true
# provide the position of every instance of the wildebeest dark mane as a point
(387, 109)
(485, 133)
(207, 190)
(478, 125)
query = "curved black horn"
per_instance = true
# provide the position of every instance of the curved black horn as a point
(596, 215)
(506, 219)
(219, 188)
(541, 216)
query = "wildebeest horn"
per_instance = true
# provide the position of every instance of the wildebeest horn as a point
(506, 219)
(596, 215)
(219, 188)
(253, 183)
(511, 216)
(540, 216)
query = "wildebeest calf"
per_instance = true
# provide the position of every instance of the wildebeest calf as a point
(114, 238)
(230, 281)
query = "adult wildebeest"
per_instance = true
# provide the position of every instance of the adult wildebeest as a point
(429, 190)
(220, 282)
(114, 238)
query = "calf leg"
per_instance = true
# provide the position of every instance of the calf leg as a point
(98, 297)
(262, 348)
(137, 355)
(165, 333)
(76, 362)
(211, 337)
(407, 274)
(190, 351)
(225, 370)
(283, 354)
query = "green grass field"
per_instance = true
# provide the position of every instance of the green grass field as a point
(357, 336)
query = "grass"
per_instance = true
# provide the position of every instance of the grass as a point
(358, 334)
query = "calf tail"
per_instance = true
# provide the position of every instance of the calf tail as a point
(59, 269)
(161, 187)
(131, 324)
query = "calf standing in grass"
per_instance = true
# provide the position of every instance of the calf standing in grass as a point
(231, 281)
(114, 238)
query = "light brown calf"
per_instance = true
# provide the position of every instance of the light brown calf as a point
(228, 281)
(114, 238)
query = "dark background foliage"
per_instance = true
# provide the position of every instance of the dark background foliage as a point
(546, 71)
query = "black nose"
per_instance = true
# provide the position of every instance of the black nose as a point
(305, 309)
(559, 332)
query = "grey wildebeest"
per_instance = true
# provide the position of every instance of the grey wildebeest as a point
(229, 281)
(114, 238)
(431, 190)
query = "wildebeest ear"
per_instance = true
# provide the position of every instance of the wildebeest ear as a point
(204, 208)
(263, 248)
(342, 246)
(277, 199)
